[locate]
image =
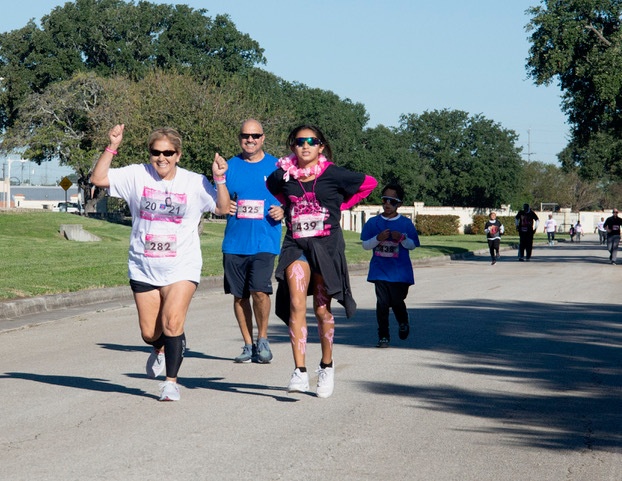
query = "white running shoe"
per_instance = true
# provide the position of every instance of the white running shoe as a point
(299, 382)
(325, 381)
(156, 364)
(169, 391)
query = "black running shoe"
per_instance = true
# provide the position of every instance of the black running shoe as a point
(404, 331)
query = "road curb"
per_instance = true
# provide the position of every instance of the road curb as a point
(16, 308)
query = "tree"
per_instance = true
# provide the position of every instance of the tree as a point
(386, 155)
(549, 183)
(466, 161)
(341, 120)
(579, 44)
(113, 37)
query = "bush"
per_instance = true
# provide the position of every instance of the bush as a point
(437, 224)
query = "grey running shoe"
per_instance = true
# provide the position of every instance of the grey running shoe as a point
(169, 391)
(264, 354)
(247, 354)
(156, 364)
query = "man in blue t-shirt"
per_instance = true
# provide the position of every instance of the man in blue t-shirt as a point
(252, 240)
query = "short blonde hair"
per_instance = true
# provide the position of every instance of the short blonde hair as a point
(167, 133)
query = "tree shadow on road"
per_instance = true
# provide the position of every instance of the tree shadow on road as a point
(584, 252)
(189, 353)
(219, 384)
(78, 382)
(564, 363)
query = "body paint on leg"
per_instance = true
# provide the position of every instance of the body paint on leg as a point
(299, 344)
(299, 274)
(324, 330)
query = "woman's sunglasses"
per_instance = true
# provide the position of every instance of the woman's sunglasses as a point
(254, 136)
(311, 141)
(391, 200)
(165, 153)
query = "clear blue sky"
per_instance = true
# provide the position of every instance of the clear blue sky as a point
(396, 57)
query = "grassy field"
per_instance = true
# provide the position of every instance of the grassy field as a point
(36, 260)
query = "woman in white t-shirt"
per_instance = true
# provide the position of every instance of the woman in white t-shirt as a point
(164, 266)
(578, 230)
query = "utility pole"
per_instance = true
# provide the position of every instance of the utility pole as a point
(529, 152)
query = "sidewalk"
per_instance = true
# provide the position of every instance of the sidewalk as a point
(511, 372)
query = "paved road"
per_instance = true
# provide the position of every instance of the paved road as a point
(512, 372)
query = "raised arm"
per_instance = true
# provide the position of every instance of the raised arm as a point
(99, 177)
(219, 167)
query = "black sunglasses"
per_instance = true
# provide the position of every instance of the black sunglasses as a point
(254, 136)
(391, 200)
(312, 141)
(165, 153)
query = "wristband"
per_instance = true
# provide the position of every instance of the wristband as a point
(113, 152)
(402, 238)
(220, 179)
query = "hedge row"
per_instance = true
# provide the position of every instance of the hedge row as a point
(450, 224)
(437, 224)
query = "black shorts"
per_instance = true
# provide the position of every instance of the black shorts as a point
(248, 273)
(139, 287)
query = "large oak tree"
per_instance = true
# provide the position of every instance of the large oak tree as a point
(578, 44)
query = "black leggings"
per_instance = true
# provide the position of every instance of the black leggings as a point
(390, 295)
(525, 244)
(493, 246)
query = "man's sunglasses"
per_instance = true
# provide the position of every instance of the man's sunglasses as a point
(312, 141)
(165, 153)
(254, 136)
(391, 200)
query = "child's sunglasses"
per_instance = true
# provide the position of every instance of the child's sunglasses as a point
(391, 200)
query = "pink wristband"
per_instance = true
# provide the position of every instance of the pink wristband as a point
(113, 152)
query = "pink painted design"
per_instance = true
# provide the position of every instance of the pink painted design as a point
(330, 334)
(298, 273)
(299, 344)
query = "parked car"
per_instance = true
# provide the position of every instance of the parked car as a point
(70, 207)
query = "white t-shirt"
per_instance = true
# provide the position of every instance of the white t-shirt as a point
(550, 225)
(164, 244)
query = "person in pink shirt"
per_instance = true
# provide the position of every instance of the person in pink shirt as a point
(312, 260)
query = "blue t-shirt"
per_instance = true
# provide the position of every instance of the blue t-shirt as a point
(251, 230)
(390, 261)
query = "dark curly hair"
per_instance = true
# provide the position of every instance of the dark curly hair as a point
(397, 188)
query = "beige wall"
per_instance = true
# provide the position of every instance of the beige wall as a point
(355, 218)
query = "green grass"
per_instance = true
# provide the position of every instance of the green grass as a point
(37, 260)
